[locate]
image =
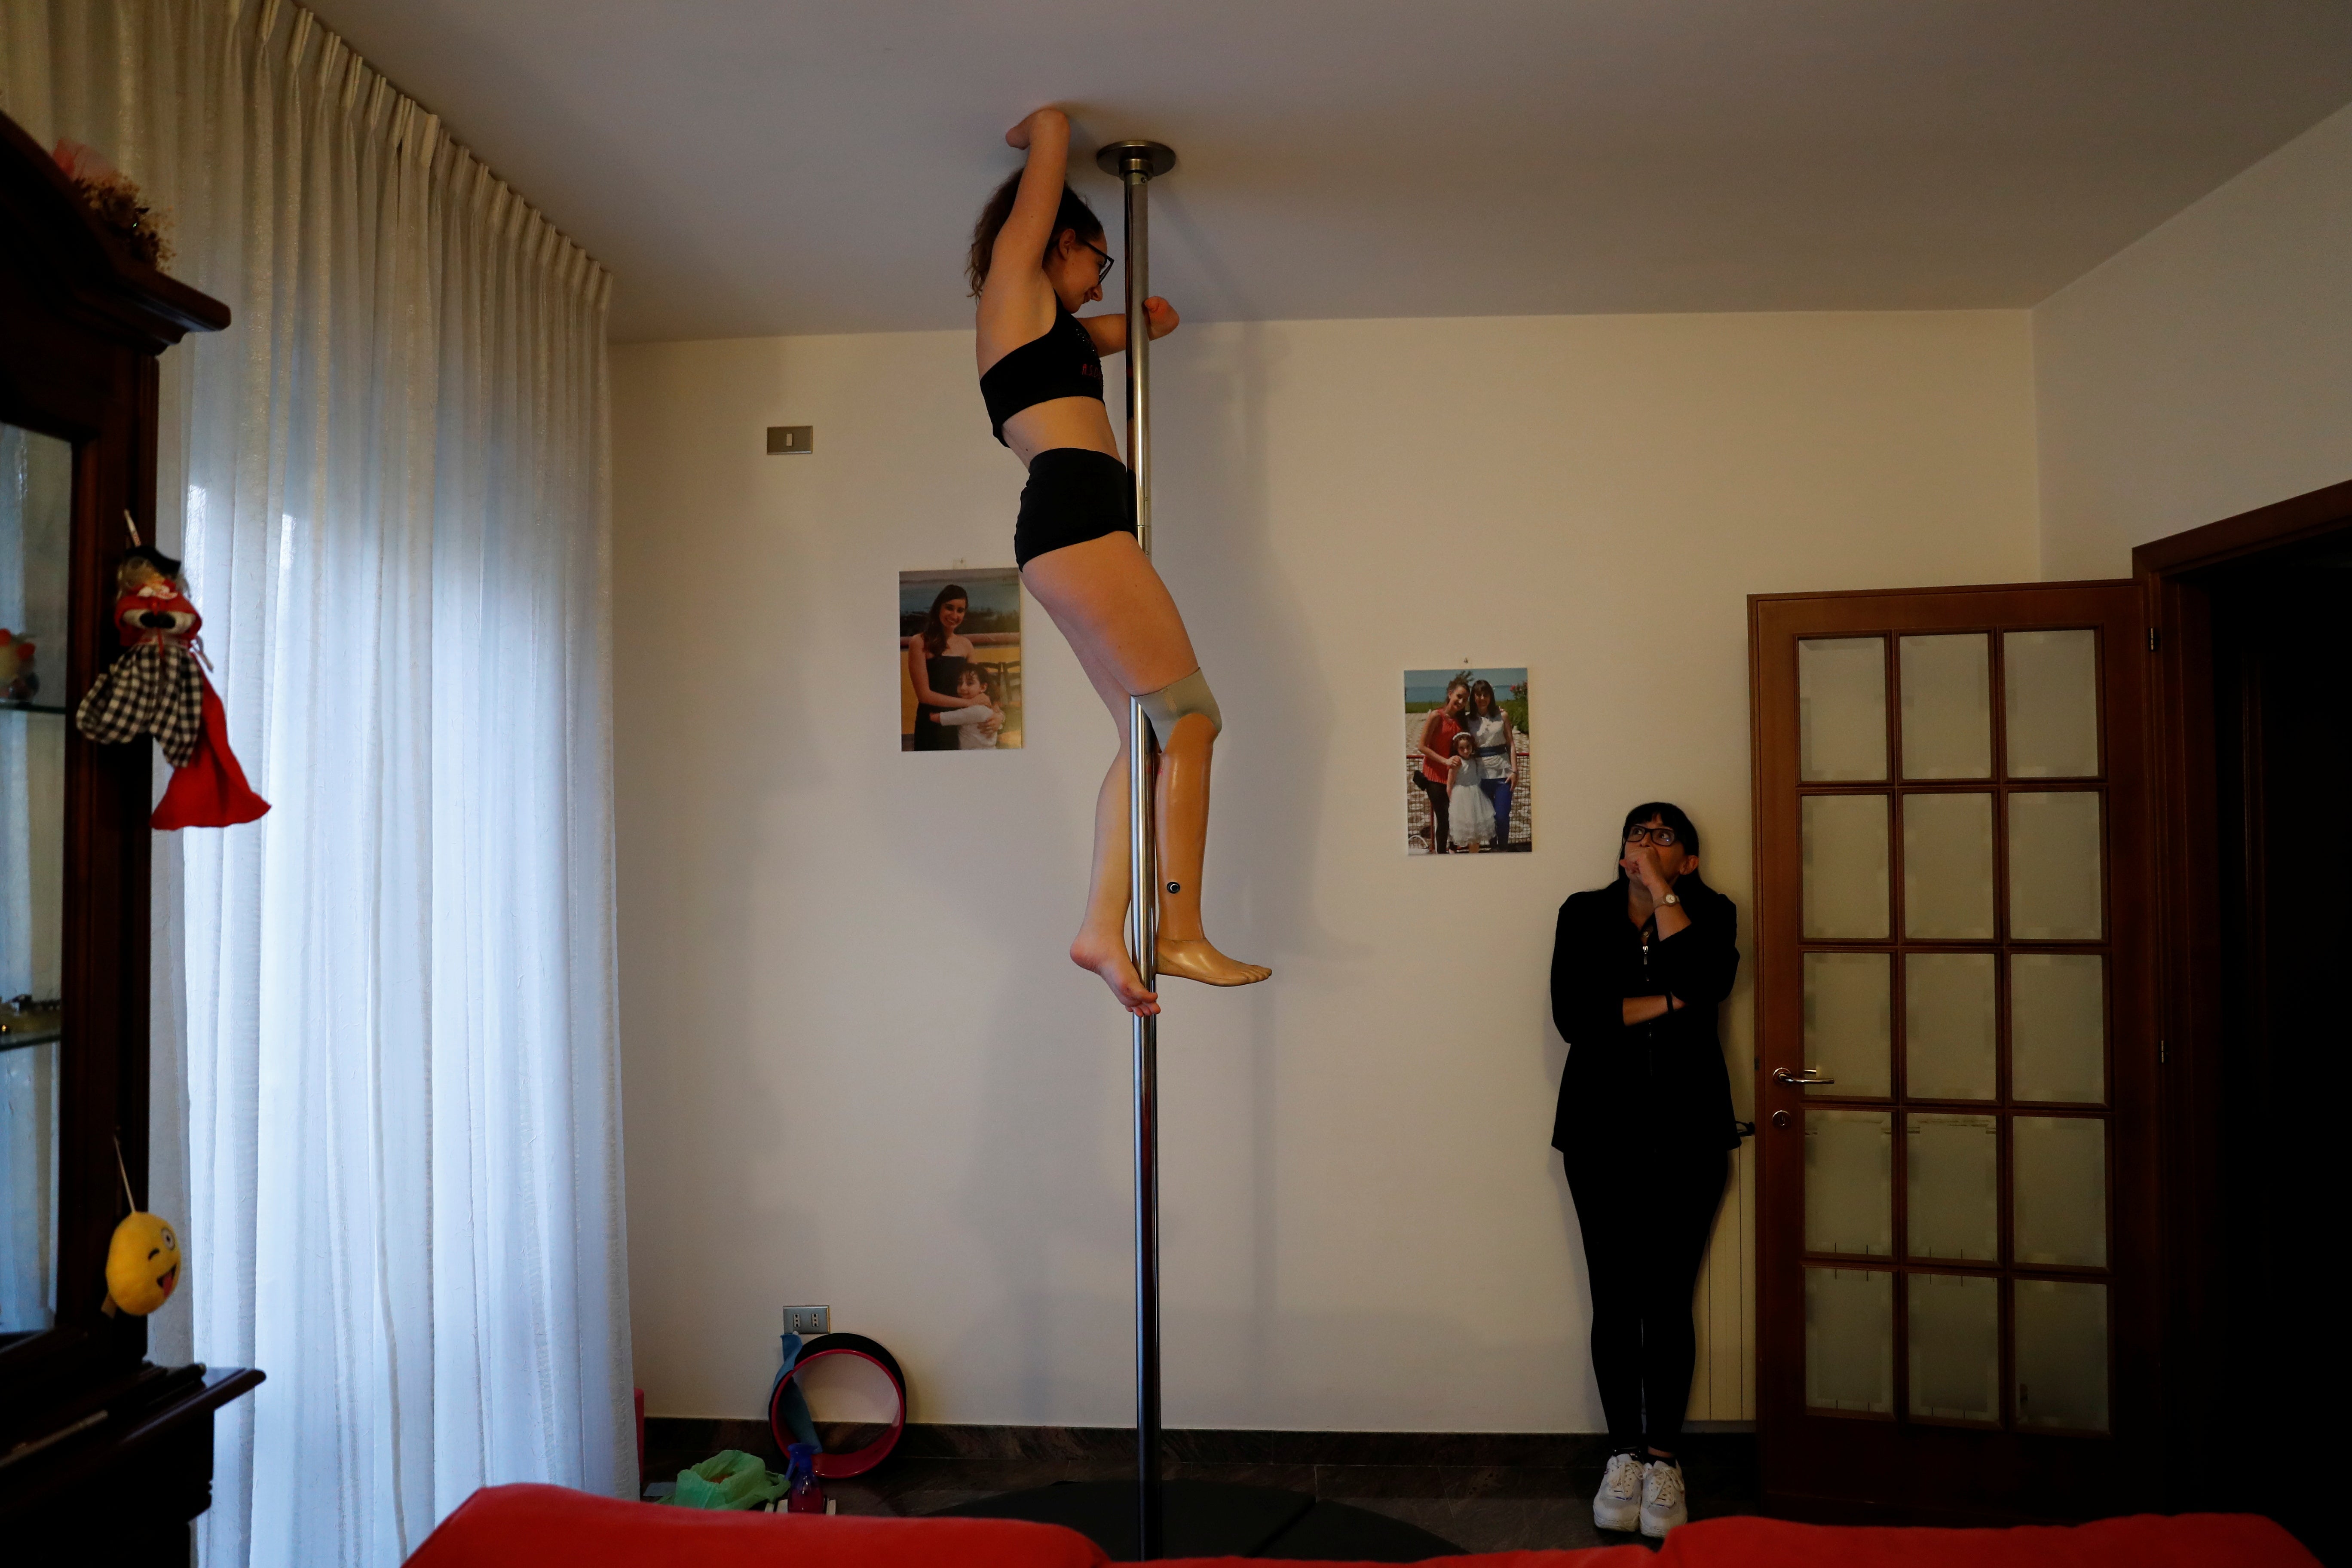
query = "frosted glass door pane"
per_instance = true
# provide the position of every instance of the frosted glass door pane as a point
(2051, 684)
(2061, 1354)
(1850, 1339)
(1953, 1199)
(1947, 1026)
(1955, 1346)
(1947, 708)
(2059, 1190)
(2053, 866)
(1846, 867)
(2057, 1027)
(1948, 868)
(1841, 709)
(1849, 1195)
(1846, 1012)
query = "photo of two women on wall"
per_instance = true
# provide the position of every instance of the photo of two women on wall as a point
(959, 660)
(1468, 781)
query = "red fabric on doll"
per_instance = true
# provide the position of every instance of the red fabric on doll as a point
(211, 791)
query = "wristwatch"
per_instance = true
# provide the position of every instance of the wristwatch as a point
(1670, 899)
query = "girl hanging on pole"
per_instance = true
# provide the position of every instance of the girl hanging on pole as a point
(1037, 254)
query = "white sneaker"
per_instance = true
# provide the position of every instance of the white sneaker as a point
(1663, 1505)
(1618, 1504)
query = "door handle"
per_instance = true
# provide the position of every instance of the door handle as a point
(1810, 1075)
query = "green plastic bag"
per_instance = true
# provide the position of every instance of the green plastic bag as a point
(729, 1479)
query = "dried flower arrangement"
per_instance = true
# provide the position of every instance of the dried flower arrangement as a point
(113, 199)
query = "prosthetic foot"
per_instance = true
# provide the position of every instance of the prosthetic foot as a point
(1184, 950)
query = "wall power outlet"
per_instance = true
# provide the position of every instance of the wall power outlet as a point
(808, 1321)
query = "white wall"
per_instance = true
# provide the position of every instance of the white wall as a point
(859, 1070)
(2205, 370)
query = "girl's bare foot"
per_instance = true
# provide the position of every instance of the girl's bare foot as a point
(1196, 960)
(1107, 958)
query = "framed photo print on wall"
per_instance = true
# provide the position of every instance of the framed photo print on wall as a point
(1469, 782)
(959, 659)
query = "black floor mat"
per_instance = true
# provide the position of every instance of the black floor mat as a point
(1339, 1532)
(1212, 1519)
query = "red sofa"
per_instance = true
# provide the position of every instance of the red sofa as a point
(551, 1527)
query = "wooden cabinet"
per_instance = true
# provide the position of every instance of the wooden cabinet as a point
(93, 1438)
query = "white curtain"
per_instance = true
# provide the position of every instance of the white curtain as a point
(384, 1011)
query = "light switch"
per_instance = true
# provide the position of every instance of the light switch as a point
(792, 438)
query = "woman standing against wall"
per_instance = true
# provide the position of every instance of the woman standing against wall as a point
(1638, 969)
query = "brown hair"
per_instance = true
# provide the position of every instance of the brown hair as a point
(935, 636)
(1073, 214)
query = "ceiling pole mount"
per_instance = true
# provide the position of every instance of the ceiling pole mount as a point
(1151, 159)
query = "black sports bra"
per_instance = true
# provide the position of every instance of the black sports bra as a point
(1061, 364)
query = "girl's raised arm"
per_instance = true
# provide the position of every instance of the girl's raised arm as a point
(1021, 243)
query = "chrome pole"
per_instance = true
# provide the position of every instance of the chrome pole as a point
(1136, 163)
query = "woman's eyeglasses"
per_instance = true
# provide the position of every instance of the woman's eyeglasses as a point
(1663, 838)
(1102, 267)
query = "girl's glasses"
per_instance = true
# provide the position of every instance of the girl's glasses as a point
(1663, 838)
(1102, 267)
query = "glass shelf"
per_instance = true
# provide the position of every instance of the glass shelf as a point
(29, 708)
(23, 1035)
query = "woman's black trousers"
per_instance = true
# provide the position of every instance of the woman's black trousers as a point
(1646, 1220)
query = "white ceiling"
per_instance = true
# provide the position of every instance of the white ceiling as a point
(759, 166)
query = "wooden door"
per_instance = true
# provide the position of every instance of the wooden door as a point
(1956, 1312)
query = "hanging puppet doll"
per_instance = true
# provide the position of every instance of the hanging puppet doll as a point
(158, 688)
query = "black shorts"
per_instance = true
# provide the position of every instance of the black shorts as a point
(1074, 494)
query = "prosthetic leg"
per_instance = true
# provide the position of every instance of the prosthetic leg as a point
(1184, 717)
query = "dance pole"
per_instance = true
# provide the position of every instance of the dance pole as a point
(1135, 165)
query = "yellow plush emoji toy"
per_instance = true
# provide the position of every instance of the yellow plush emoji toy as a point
(142, 1264)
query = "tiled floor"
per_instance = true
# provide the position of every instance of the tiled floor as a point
(1483, 1491)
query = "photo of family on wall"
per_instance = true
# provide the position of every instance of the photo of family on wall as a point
(1468, 785)
(959, 660)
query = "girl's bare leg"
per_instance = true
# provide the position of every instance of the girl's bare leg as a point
(1101, 943)
(1119, 617)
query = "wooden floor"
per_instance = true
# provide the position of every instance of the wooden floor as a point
(1483, 1491)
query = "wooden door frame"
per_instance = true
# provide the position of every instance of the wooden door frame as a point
(2174, 574)
(2182, 870)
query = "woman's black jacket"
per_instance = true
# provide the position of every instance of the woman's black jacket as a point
(1655, 1087)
